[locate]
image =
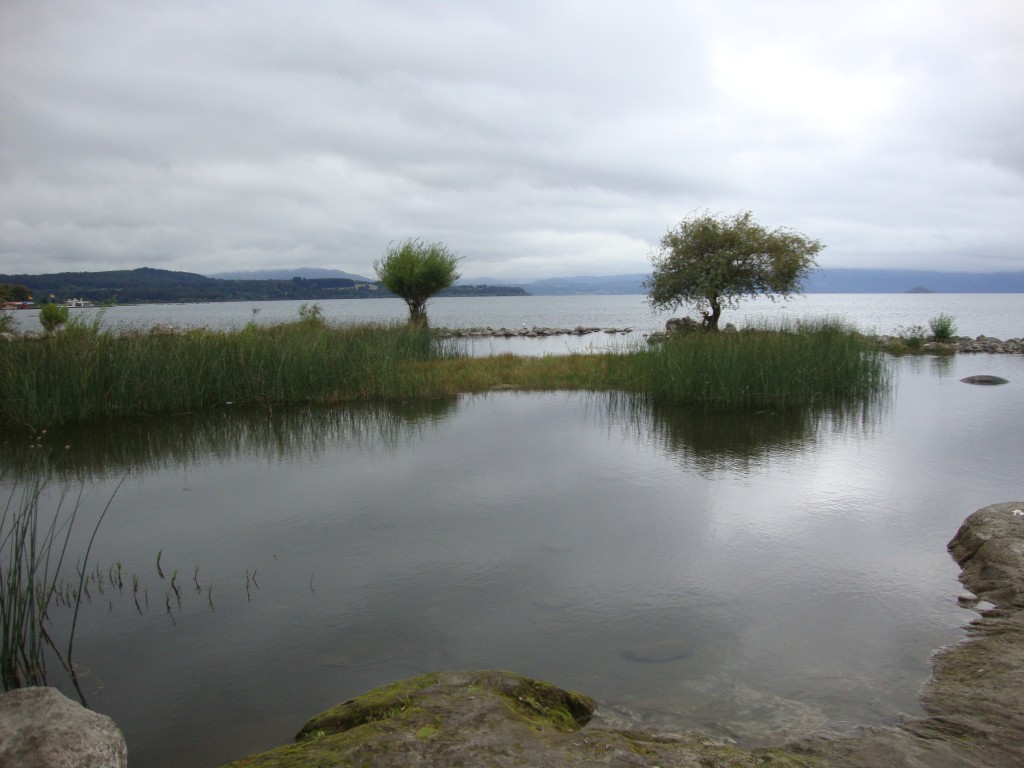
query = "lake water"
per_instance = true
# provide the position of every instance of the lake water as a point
(756, 576)
(1000, 315)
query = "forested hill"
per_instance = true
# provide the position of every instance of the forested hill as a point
(148, 285)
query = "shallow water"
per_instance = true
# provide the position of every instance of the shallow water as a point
(756, 575)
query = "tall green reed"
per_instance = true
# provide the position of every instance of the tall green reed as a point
(790, 365)
(34, 548)
(84, 373)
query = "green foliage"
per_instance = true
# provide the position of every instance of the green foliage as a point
(52, 316)
(6, 322)
(10, 292)
(913, 337)
(311, 314)
(712, 262)
(415, 271)
(943, 327)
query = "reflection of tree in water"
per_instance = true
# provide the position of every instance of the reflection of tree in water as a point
(715, 441)
(113, 448)
(939, 366)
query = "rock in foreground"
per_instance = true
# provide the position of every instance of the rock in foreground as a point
(42, 728)
(487, 718)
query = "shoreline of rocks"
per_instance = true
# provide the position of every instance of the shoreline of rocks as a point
(986, 344)
(965, 344)
(525, 332)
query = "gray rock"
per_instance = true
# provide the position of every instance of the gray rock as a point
(984, 379)
(42, 728)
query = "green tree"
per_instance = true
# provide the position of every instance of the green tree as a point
(711, 262)
(415, 271)
(52, 316)
(10, 292)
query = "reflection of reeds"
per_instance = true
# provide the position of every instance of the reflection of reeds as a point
(710, 441)
(190, 439)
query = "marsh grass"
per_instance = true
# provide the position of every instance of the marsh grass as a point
(779, 367)
(84, 373)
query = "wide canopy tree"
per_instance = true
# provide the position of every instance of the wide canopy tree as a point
(711, 262)
(415, 271)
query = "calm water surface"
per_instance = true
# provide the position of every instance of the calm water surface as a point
(756, 576)
(1000, 315)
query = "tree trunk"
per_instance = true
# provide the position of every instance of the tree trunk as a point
(711, 318)
(417, 312)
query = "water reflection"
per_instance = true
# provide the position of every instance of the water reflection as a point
(711, 570)
(189, 440)
(712, 442)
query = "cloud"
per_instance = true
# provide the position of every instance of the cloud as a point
(536, 139)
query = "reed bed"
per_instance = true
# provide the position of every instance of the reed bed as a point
(780, 367)
(82, 373)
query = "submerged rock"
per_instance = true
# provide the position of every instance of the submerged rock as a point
(984, 379)
(658, 653)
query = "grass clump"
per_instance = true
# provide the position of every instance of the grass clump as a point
(943, 327)
(793, 365)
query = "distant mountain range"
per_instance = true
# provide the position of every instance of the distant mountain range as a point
(820, 281)
(309, 273)
(159, 285)
(148, 285)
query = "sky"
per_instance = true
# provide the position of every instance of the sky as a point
(534, 138)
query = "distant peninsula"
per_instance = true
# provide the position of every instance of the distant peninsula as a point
(159, 286)
(149, 285)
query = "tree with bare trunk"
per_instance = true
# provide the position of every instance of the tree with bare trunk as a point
(711, 262)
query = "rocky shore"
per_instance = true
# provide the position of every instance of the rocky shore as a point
(525, 332)
(987, 344)
(965, 344)
(974, 703)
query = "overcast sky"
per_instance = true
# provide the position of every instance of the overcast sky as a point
(534, 138)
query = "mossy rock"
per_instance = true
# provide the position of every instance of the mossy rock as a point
(490, 718)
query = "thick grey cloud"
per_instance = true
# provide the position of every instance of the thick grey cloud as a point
(535, 138)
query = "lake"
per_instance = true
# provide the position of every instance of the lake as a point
(755, 576)
(998, 314)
